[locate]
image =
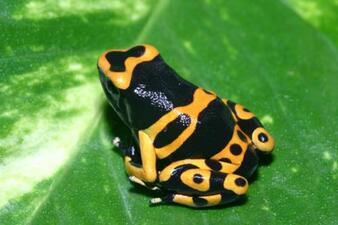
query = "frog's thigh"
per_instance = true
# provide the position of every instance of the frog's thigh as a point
(252, 127)
(147, 172)
(200, 186)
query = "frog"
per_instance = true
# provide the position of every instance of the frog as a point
(197, 149)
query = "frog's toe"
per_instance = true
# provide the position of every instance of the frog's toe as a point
(262, 140)
(165, 199)
(137, 180)
(251, 126)
(155, 201)
(116, 142)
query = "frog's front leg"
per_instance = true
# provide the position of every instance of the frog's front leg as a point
(201, 183)
(251, 126)
(147, 171)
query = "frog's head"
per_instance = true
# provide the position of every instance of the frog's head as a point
(118, 65)
(116, 68)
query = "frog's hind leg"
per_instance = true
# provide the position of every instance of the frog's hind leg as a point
(146, 172)
(251, 126)
(201, 183)
(133, 162)
(196, 200)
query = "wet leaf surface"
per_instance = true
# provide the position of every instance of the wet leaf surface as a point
(57, 165)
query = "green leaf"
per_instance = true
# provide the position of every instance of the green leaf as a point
(57, 165)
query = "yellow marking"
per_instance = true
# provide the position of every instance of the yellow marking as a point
(229, 184)
(200, 163)
(188, 200)
(327, 155)
(213, 199)
(263, 146)
(184, 200)
(187, 177)
(225, 152)
(243, 115)
(122, 79)
(147, 172)
(200, 102)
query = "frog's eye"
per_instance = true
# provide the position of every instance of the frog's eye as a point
(119, 65)
(263, 140)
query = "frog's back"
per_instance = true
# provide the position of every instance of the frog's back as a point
(155, 90)
(191, 144)
(183, 120)
(212, 131)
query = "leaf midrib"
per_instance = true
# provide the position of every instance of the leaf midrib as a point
(93, 124)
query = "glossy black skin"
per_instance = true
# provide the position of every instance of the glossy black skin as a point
(155, 89)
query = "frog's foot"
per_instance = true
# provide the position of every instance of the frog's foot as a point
(140, 182)
(251, 126)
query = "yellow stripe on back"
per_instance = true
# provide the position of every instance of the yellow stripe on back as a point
(200, 101)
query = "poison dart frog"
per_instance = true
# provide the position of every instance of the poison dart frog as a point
(197, 148)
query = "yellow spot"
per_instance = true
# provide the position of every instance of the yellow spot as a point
(188, 46)
(80, 77)
(294, 170)
(37, 48)
(265, 208)
(140, 8)
(267, 119)
(83, 160)
(308, 9)
(40, 143)
(100, 217)
(9, 113)
(8, 50)
(327, 155)
(334, 166)
(74, 66)
(106, 189)
(231, 50)
(186, 72)
(224, 14)
(124, 11)
(291, 73)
